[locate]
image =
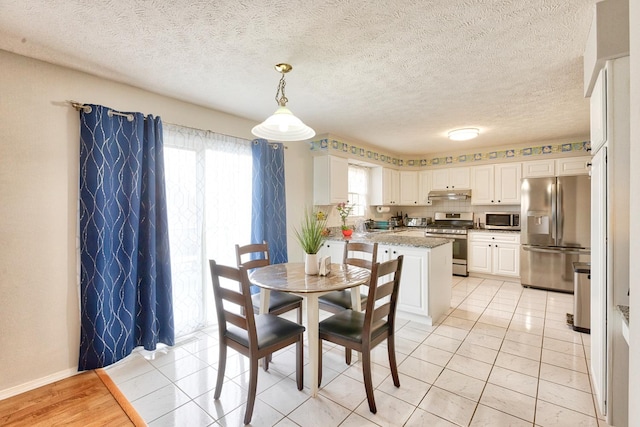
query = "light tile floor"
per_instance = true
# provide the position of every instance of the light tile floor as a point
(503, 356)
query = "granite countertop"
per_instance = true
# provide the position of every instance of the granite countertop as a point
(392, 237)
(624, 309)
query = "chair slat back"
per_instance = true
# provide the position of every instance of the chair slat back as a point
(262, 249)
(353, 249)
(243, 316)
(377, 310)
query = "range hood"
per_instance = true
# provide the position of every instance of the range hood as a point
(450, 195)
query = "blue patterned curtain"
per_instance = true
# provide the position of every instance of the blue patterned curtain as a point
(125, 274)
(269, 207)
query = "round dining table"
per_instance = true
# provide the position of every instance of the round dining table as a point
(290, 277)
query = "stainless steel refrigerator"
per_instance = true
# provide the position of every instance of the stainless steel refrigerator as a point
(555, 230)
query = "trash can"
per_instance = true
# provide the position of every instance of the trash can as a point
(582, 297)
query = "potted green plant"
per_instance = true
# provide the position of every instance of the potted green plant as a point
(311, 236)
(344, 210)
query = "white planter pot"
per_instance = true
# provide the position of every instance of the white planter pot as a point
(311, 264)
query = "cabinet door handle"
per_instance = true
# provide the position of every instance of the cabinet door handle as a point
(588, 164)
(498, 201)
(395, 252)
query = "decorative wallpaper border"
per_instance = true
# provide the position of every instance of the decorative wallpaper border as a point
(377, 157)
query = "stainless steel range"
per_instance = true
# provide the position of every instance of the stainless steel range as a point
(453, 226)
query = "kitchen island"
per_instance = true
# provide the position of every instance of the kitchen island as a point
(425, 284)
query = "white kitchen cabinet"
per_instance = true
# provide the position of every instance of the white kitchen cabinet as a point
(330, 180)
(507, 183)
(496, 184)
(555, 167)
(424, 186)
(334, 249)
(451, 178)
(539, 168)
(385, 187)
(425, 285)
(409, 187)
(572, 166)
(610, 246)
(479, 256)
(598, 112)
(482, 185)
(413, 282)
(494, 253)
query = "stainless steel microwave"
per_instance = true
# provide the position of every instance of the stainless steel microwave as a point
(502, 221)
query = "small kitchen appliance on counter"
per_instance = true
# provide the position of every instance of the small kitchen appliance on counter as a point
(453, 226)
(417, 222)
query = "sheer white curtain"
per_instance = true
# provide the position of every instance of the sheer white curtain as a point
(208, 179)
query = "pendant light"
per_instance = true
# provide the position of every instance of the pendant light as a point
(283, 125)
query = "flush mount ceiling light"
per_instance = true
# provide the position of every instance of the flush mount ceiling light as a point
(463, 134)
(283, 125)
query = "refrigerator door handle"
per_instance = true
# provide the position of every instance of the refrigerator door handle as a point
(560, 213)
(554, 211)
(570, 251)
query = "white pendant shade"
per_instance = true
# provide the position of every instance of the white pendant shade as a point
(283, 126)
(463, 134)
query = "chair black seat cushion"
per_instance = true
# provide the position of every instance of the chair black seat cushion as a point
(340, 299)
(269, 328)
(277, 301)
(348, 324)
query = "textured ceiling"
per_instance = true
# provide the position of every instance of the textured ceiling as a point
(393, 74)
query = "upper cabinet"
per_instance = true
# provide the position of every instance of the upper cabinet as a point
(572, 166)
(385, 186)
(409, 187)
(496, 184)
(451, 178)
(330, 180)
(555, 167)
(539, 168)
(424, 186)
(598, 112)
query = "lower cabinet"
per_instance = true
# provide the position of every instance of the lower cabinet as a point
(334, 249)
(425, 284)
(494, 253)
(413, 297)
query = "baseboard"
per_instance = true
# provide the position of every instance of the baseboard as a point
(418, 318)
(495, 277)
(39, 382)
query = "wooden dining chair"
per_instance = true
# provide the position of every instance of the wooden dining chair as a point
(362, 331)
(279, 302)
(254, 336)
(338, 301)
(361, 255)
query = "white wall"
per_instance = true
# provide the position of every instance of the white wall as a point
(39, 140)
(634, 229)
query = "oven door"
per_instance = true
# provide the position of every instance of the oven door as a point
(459, 252)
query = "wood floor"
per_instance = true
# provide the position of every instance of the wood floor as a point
(82, 400)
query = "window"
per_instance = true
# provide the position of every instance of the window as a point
(208, 180)
(358, 189)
